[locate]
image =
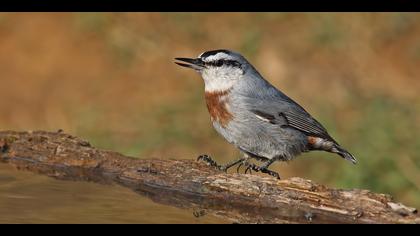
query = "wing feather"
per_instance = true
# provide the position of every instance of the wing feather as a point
(304, 122)
(300, 120)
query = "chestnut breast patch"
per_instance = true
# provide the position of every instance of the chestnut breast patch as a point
(217, 106)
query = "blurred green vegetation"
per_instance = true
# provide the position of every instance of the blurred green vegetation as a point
(110, 78)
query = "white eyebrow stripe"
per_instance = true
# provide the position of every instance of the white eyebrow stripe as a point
(218, 56)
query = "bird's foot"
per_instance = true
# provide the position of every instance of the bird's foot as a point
(211, 162)
(207, 159)
(244, 163)
(263, 169)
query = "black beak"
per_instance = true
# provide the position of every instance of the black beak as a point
(196, 64)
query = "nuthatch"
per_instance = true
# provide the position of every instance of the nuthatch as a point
(250, 113)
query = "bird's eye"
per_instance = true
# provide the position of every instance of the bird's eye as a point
(219, 63)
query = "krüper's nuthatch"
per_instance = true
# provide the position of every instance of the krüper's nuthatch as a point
(250, 113)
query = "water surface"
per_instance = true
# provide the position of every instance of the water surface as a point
(26, 197)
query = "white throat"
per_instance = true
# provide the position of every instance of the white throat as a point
(217, 84)
(220, 79)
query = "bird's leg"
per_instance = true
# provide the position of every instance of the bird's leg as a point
(230, 164)
(263, 168)
(211, 162)
(243, 162)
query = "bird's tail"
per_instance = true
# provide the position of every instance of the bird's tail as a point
(344, 153)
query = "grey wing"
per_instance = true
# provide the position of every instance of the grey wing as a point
(289, 113)
(304, 122)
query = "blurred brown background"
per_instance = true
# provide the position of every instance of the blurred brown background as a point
(110, 78)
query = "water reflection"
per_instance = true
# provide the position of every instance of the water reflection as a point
(26, 197)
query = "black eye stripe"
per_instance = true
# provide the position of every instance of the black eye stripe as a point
(219, 63)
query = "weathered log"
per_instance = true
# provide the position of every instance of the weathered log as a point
(241, 198)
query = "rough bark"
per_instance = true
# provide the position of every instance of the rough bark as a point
(241, 198)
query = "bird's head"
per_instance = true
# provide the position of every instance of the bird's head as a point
(220, 69)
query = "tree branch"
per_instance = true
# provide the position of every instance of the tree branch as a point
(189, 184)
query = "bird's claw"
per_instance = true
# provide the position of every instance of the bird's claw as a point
(272, 173)
(251, 167)
(246, 164)
(239, 166)
(256, 168)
